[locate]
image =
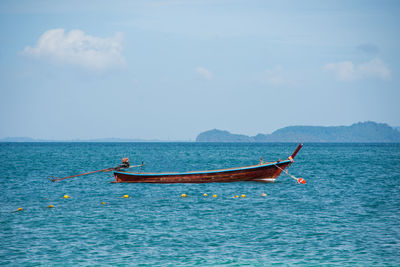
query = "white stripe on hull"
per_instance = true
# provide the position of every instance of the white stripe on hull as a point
(265, 180)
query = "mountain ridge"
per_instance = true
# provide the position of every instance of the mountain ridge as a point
(361, 132)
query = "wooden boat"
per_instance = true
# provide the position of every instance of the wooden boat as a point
(263, 172)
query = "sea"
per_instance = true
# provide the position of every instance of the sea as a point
(347, 213)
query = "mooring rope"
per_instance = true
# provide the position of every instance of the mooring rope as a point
(299, 180)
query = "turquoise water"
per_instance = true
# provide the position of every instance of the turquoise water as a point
(347, 213)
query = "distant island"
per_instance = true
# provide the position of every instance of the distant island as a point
(97, 140)
(362, 132)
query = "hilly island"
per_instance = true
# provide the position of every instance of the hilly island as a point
(362, 132)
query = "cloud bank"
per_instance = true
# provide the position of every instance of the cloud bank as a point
(77, 48)
(347, 71)
(204, 73)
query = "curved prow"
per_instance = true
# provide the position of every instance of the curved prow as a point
(296, 151)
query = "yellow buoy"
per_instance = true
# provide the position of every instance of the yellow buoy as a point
(20, 209)
(50, 206)
(126, 196)
(263, 195)
(205, 195)
(243, 195)
(214, 195)
(236, 196)
(103, 203)
(183, 195)
(66, 196)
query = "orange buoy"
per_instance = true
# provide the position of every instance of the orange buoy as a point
(301, 181)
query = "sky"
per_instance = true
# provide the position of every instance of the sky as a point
(171, 69)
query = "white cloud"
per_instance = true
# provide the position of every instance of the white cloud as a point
(374, 68)
(77, 48)
(275, 76)
(344, 70)
(204, 73)
(347, 71)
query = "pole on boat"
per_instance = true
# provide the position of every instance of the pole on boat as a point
(56, 179)
(123, 165)
(296, 151)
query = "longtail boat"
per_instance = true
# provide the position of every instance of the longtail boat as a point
(263, 172)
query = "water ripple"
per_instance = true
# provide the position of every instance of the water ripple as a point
(346, 214)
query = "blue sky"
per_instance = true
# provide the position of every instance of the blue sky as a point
(172, 69)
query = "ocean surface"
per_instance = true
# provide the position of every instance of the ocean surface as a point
(348, 213)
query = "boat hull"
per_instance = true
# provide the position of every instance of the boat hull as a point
(267, 172)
